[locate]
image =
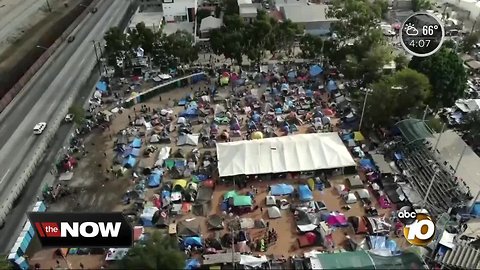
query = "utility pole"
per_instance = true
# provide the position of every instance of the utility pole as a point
(437, 170)
(367, 91)
(48, 6)
(460, 159)
(425, 113)
(98, 59)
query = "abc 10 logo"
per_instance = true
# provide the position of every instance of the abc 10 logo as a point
(419, 229)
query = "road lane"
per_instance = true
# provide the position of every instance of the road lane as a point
(44, 77)
(44, 106)
(22, 143)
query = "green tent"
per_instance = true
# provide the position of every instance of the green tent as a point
(242, 201)
(368, 260)
(346, 260)
(230, 194)
(414, 130)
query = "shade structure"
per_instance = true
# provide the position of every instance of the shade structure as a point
(296, 153)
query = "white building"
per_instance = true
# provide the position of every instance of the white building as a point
(152, 20)
(179, 10)
(313, 17)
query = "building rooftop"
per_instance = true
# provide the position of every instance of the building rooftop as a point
(244, 2)
(210, 23)
(151, 20)
(171, 28)
(306, 13)
(248, 10)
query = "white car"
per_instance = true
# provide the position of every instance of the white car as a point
(39, 128)
(69, 118)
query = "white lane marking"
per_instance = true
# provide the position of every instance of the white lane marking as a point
(4, 176)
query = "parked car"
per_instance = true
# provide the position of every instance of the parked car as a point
(39, 128)
(71, 39)
(93, 10)
(69, 118)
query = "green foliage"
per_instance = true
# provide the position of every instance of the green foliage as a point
(166, 51)
(355, 17)
(141, 36)
(311, 46)
(396, 96)
(401, 61)
(158, 252)
(447, 76)
(236, 38)
(115, 41)
(369, 67)
(181, 46)
(230, 8)
(202, 14)
(78, 114)
(418, 5)
(471, 128)
(469, 41)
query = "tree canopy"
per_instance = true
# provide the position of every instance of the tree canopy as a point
(236, 38)
(158, 252)
(311, 46)
(469, 41)
(447, 76)
(418, 5)
(395, 96)
(471, 128)
(165, 50)
(356, 17)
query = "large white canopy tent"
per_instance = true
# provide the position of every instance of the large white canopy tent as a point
(296, 153)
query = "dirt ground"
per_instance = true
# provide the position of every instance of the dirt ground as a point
(17, 58)
(100, 192)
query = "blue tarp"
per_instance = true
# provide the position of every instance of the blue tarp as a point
(347, 137)
(331, 86)
(315, 70)
(165, 194)
(180, 163)
(129, 162)
(281, 189)
(192, 264)
(377, 242)
(367, 163)
(182, 102)
(292, 74)
(131, 152)
(137, 143)
(193, 241)
(476, 209)
(305, 193)
(154, 180)
(101, 86)
(190, 112)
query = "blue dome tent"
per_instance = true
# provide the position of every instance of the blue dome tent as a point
(332, 86)
(315, 70)
(305, 193)
(154, 179)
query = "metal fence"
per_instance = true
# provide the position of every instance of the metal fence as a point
(165, 87)
(13, 92)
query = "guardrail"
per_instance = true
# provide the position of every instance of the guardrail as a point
(15, 90)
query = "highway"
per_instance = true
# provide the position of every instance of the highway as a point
(60, 79)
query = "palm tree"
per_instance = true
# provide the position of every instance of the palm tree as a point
(158, 252)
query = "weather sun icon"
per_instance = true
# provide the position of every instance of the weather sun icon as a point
(410, 29)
